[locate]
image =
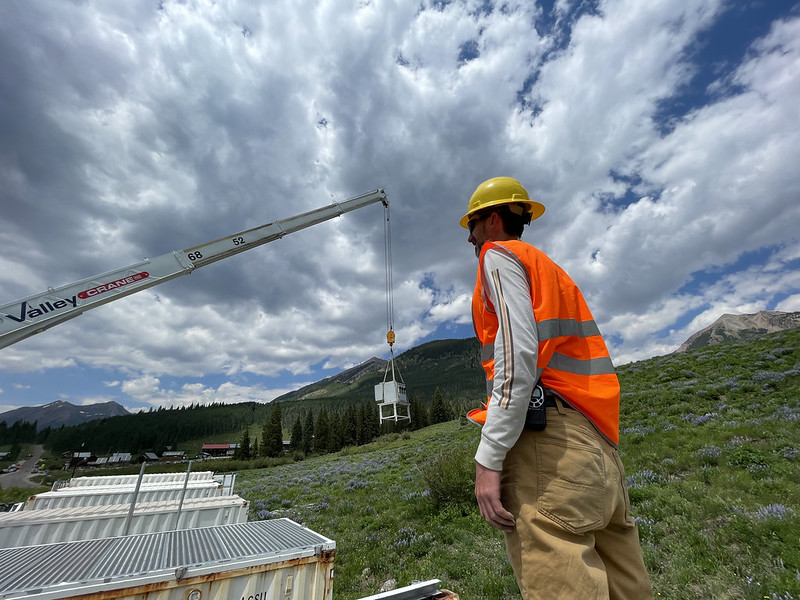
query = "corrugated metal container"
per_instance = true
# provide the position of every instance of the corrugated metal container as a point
(262, 560)
(96, 496)
(130, 480)
(32, 527)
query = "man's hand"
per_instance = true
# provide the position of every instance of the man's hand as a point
(487, 491)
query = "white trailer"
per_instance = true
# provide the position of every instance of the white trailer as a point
(130, 480)
(260, 560)
(46, 526)
(97, 496)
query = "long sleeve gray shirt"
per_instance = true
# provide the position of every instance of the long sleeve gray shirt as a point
(507, 289)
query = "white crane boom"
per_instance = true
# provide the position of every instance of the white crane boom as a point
(23, 318)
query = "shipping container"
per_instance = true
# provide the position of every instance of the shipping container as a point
(130, 480)
(228, 480)
(97, 496)
(32, 527)
(260, 560)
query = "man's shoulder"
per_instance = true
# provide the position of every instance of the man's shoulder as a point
(518, 247)
(527, 255)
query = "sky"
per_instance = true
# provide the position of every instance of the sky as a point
(663, 137)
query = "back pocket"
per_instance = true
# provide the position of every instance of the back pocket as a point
(571, 481)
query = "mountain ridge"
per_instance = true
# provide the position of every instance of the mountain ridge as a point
(346, 377)
(731, 327)
(58, 413)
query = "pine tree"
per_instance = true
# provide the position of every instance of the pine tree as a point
(273, 436)
(350, 427)
(321, 432)
(334, 432)
(265, 435)
(362, 429)
(374, 421)
(440, 409)
(369, 422)
(296, 440)
(243, 451)
(419, 413)
(308, 433)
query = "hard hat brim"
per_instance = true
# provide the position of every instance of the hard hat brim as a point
(535, 209)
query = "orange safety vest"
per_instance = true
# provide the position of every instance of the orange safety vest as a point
(573, 358)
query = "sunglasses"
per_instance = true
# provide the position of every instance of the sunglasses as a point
(472, 222)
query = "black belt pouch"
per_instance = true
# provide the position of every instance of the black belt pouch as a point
(536, 417)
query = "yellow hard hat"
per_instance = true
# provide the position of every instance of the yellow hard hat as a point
(502, 190)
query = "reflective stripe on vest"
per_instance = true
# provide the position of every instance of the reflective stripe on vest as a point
(573, 358)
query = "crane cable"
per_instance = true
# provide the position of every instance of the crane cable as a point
(390, 338)
(387, 253)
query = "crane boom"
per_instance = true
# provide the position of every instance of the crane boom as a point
(26, 317)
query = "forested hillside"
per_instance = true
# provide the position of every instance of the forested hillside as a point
(155, 430)
(343, 406)
(452, 366)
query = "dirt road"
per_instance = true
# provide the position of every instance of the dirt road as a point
(21, 477)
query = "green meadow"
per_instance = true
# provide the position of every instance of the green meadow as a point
(711, 448)
(710, 444)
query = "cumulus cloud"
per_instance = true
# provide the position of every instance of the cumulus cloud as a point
(148, 391)
(132, 130)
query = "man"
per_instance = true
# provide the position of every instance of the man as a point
(550, 479)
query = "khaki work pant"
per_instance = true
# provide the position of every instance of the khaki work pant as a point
(575, 538)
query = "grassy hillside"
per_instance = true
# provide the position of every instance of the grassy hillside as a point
(710, 443)
(451, 365)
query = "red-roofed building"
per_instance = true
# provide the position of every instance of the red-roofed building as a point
(219, 450)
